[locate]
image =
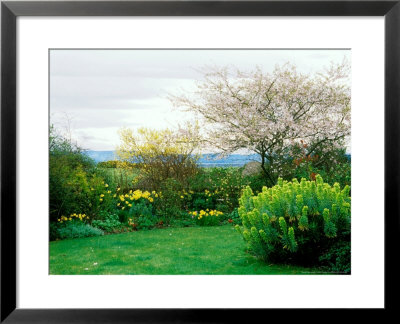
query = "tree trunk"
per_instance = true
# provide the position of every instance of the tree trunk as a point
(267, 174)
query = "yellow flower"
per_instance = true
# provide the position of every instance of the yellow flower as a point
(101, 199)
(151, 199)
(182, 197)
(106, 185)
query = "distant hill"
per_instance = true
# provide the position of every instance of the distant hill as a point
(101, 156)
(207, 160)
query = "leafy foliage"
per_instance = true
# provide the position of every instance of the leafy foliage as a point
(108, 222)
(335, 167)
(295, 221)
(337, 258)
(217, 188)
(71, 177)
(77, 230)
(141, 216)
(233, 217)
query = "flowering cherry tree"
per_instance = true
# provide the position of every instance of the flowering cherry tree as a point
(277, 115)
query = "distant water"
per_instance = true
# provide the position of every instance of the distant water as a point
(207, 160)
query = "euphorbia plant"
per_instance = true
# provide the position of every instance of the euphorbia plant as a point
(295, 221)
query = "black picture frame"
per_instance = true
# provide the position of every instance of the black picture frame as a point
(10, 10)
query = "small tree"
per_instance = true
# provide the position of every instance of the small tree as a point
(68, 180)
(161, 154)
(273, 114)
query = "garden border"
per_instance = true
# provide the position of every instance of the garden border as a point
(10, 10)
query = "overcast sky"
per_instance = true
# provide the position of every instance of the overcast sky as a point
(100, 91)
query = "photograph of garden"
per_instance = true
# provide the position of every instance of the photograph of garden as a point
(200, 161)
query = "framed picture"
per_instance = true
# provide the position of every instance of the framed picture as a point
(181, 128)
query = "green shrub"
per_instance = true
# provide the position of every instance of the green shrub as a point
(140, 216)
(295, 222)
(201, 200)
(337, 258)
(183, 222)
(76, 185)
(108, 222)
(70, 185)
(216, 186)
(169, 204)
(53, 232)
(122, 178)
(77, 230)
(233, 217)
(256, 182)
(145, 223)
(140, 209)
(334, 167)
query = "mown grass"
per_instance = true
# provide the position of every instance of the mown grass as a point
(191, 250)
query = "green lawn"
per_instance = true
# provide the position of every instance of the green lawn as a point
(190, 250)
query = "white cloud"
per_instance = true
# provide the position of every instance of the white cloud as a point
(103, 90)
